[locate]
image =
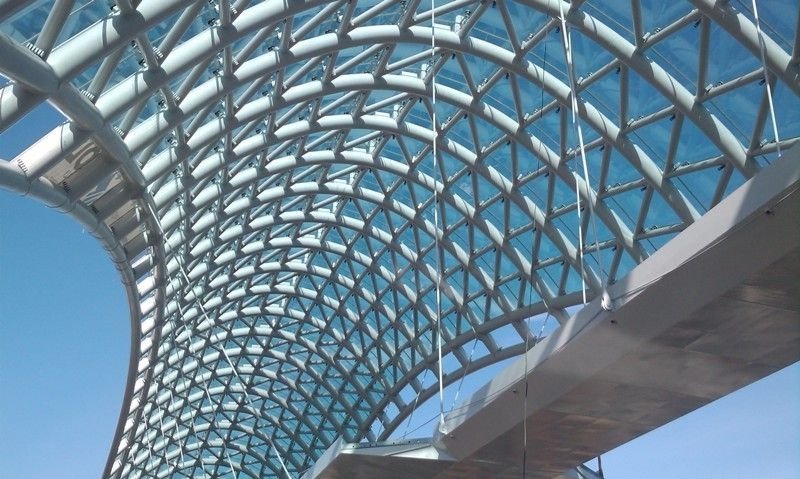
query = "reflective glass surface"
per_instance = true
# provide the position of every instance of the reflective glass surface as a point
(291, 223)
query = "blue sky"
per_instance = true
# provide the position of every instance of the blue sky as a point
(64, 344)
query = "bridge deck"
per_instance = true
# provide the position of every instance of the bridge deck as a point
(715, 309)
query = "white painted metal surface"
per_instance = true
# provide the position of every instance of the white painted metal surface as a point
(261, 174)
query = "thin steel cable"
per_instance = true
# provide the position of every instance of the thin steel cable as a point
(230, 464)
(181, 268)
(193, 425)
(466, 370)
(538, 339)
(762, 48)
(567, 40)
(580, 238)
(414, 407)
(435, 133)
(525, 398)
(161, 428)
(541, 294)
(544, 68)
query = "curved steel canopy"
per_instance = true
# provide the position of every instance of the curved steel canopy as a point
(261, 173)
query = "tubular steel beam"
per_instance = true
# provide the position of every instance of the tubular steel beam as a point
(270, 195)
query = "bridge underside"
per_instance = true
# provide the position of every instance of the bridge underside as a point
(714, 310)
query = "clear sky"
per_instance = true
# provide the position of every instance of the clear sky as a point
(64, 345)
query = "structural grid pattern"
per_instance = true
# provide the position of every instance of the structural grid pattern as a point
(262, 174)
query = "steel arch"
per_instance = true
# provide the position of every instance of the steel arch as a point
(178, 245)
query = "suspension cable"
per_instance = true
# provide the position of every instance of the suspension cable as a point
(205, 314)
(466, 370)
(435, 134)
(580, 238)
(414, 406)
(525, 398)
(230, 464)
(762, 47)
(537, 340)
(194, 411)
(192, 427)
(567, 40)
(531, 280)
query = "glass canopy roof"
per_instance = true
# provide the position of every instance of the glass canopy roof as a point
(263, 175)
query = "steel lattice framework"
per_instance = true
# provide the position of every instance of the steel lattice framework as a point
(261, 173)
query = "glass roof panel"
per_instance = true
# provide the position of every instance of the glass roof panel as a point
(298, 226)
